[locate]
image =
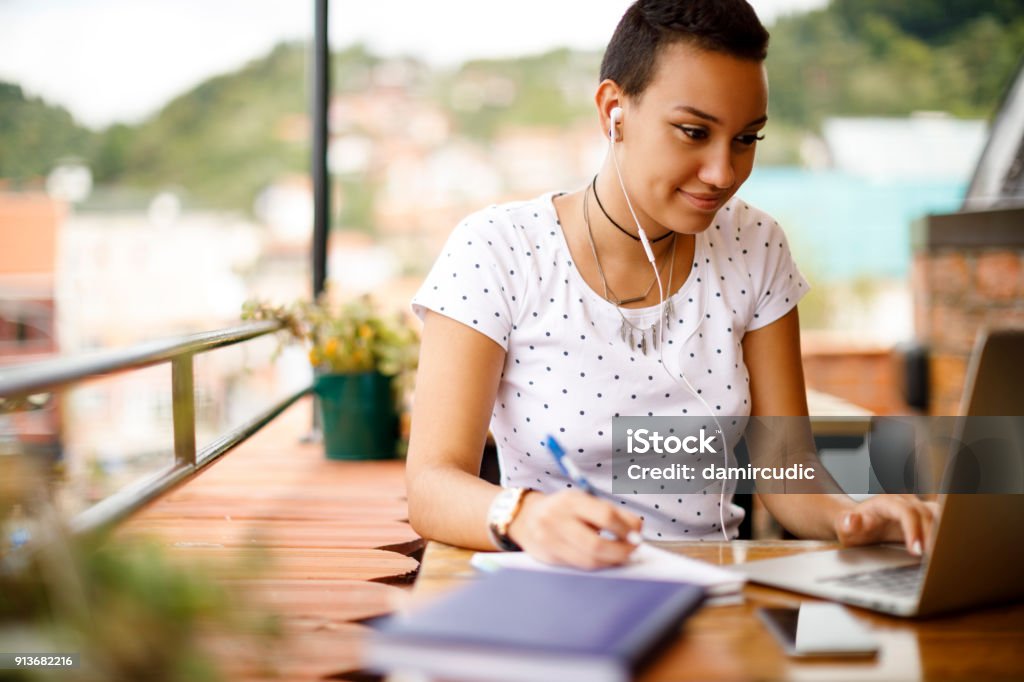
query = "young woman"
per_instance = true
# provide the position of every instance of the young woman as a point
(547, 316)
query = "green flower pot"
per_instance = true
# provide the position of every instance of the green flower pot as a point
(357, 415)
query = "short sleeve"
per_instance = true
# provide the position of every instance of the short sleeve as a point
(779, 284)
(477, 278)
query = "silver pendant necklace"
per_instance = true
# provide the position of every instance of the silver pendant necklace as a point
(635, 337)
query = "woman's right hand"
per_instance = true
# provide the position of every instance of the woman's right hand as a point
(564, 528)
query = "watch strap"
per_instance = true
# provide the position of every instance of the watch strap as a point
(502, 513)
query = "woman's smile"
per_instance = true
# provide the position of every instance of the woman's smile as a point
(704, 202)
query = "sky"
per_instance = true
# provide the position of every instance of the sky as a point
(120, 60)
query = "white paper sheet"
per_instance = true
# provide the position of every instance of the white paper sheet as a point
(647, 563)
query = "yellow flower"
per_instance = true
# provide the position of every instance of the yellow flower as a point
(354, 336)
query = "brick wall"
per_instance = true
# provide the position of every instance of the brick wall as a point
(868, 377)
(968, 274)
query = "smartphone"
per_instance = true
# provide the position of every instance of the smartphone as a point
(828, 630)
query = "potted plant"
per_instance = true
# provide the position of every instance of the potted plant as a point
(364, 362)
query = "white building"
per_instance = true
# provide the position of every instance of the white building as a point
(925, 146)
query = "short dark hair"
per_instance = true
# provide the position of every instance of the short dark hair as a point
(728, 26)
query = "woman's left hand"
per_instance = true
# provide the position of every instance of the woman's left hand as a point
(889, 518)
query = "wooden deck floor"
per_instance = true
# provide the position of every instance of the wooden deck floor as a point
(331, 541)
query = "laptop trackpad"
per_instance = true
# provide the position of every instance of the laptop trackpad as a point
(811, 567)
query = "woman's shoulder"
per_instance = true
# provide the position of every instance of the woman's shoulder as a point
(741, 225)
(748, 242)
(739, 216)
(503, 221)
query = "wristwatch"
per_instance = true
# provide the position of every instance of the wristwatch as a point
(502, 513)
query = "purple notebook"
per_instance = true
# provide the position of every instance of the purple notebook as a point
(532, 625)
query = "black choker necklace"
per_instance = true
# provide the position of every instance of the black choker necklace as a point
(632, 236)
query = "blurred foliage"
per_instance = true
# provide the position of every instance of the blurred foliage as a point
(928, 20)
(124, 605)
(355, 336)
(222, 141)
(872, 58)
(227, 138)
(129, 613)
(549, 89)
(34, 135)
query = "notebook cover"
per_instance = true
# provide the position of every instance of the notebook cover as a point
(615, 619)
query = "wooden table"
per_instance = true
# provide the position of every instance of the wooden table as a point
(730, 643)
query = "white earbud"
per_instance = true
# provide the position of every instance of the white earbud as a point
(616, 117)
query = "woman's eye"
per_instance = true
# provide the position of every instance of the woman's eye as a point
(750, 139)
(693, 132)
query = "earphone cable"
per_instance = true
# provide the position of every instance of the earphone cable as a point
(661, 329)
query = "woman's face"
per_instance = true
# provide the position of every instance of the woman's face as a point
(688, 141)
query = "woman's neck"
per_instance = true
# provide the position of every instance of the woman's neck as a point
(618, 244)
(614, 208)
(624, 263)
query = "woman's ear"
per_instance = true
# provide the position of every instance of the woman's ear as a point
(609, 100)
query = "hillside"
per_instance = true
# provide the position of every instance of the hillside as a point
(223, 140)
(880, 58)
(34, 135)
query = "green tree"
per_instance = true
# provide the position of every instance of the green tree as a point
(929, 20)
(852, 60)
(226, 138)
(35, 135)
(110, 158)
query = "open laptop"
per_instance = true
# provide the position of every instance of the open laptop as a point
(977, 552)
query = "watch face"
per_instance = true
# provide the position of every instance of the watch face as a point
(503, 505)
(502, 511)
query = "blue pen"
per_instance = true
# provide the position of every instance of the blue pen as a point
(569, 467)
(573, 473)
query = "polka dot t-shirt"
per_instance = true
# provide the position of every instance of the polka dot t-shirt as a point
(507, 272)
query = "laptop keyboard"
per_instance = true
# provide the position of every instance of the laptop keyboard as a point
(902, 580)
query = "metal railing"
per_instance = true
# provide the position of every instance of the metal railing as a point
(50, 375)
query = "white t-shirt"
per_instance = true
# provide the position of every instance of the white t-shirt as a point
(507, 272)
